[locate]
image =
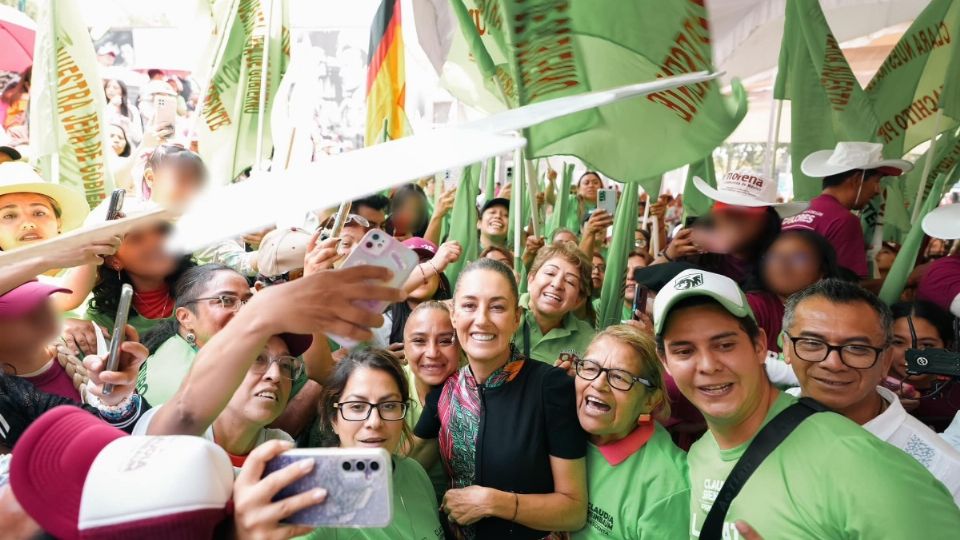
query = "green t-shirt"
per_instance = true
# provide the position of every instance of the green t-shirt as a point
(415, 510)
(437, 474)
(162, 373)
(645, 496)
(573, 336)
(139, 323)
(829, 479)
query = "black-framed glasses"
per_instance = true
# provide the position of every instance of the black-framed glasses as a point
(853, 355)
(226, 301)
(291, 367)
(617, 378)
(359, 411)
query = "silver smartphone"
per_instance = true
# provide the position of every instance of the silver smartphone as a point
(607, 200)
(119, 327)
(359, 484)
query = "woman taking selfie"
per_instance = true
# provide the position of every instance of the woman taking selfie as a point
(559, 283)
(504, 426)
(432, 355)
(636, 477)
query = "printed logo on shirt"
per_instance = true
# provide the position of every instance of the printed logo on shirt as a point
(599, 519)
(807, 217)
(689, 282)
(711, 488)
(727, 532)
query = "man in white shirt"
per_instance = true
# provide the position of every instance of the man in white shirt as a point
(831, 331)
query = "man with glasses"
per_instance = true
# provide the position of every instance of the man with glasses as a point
(837, 338)
(828, 478)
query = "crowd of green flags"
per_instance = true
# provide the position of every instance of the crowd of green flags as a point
(519, 52)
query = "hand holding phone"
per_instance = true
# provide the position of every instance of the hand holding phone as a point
(607, 200)
(640, 301)
(165, 110)
(116, 204)
(117, 337)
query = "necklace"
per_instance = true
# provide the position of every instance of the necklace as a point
(153, 304)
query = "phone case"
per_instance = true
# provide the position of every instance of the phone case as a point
(607, 201)
(166, 110)
(378, 248)
(359, 484)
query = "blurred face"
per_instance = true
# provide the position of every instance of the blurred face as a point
(555, 288)
(142, 254)
(112, 89)
(26, 218)
(630, 290)
(494, 221)
(118, 141)
(714, 363)
(430, 346)
(350, 237)
(790, 265)
(565, 236)
(172, 185)
(832, 382)
(927, 338)
(375, 217)
(207, 317)
(29, 331)
(261, 398)
(408, 216)
(485, 315)
(609, 414)
(372, 386)
(588, 186)
(738, 230)
(884, 259)
(596, 275)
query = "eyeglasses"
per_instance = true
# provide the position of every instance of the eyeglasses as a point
(855, 356)
(226, 301)
(359, 411)
(589, 370)
(290, 366)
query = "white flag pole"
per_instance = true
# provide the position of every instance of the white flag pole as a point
(927, 165)
(264, 84)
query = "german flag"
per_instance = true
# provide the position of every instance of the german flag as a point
(386, 81)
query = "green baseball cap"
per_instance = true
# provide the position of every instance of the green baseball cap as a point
(695, 282)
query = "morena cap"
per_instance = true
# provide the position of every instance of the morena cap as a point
(696, 282)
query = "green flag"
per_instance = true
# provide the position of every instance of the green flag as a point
(827, 103)
(529, 51)
(491, 180)
(696, 203)
(245, 30)
(909, 85)
(67, 103)
(946, 154)
(903, 264)
(463, 221)
(624, 224)
(563, 201)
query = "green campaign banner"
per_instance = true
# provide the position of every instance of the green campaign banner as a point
(67, 103)
(528, 51)
(610, 310)
(827, 103)
(696, 203)
(250, 35)
(908, 88)
(463, 221)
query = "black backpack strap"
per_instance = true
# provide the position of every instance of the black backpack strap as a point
(772, 434)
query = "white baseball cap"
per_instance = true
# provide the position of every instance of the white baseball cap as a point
(943, 222)
(696, 282)
(851, 156)
(282, 250)
(750, 189)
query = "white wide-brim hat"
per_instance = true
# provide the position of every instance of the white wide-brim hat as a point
(851, 156)
(19, 177)
(943, 222)
(745, 188)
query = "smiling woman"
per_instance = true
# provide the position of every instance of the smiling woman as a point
(32, 210)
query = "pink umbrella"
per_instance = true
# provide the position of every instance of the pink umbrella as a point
(16, 39)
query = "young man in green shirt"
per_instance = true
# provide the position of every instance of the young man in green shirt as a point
(828, 479)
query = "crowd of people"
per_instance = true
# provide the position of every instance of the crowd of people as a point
(509, 410)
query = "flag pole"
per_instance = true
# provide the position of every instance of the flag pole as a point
(773, 128)
(217, 57)
(517, 193)
(264, 82)
(927, 165)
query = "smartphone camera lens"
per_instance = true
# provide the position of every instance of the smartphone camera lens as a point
(376, 237)
(369, 245)
(347, 466)
(361, 466)
(374, 466)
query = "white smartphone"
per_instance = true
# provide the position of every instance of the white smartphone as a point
(165, 110)
(607, 200)
(359, 484)
(378, 248)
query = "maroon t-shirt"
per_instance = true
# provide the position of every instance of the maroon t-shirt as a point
(768, 309)
(833, 221)
(55, 381)
(941, 283)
